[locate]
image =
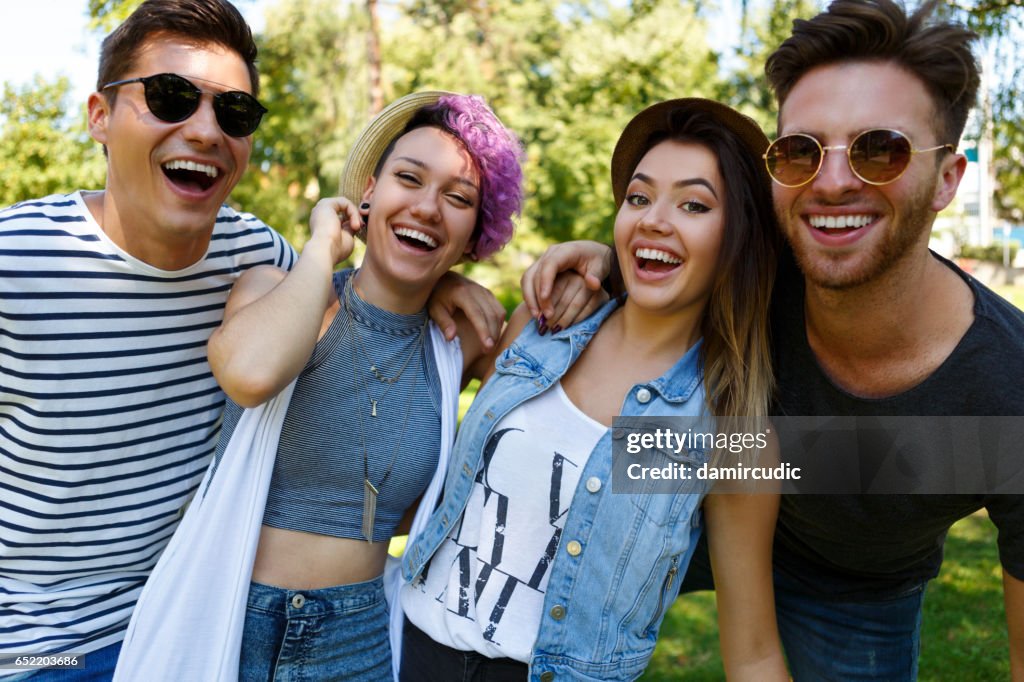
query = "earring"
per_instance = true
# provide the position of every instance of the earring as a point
(364, 210)
(365, 206)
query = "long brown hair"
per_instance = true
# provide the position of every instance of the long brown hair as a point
(738, 377)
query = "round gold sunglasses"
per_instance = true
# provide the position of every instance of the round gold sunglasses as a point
(878, 156)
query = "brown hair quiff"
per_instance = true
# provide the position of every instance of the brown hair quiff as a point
(937, 52)
(194, 21)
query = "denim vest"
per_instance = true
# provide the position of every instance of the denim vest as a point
(621, 557)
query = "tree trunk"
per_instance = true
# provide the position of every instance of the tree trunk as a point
(373, 59)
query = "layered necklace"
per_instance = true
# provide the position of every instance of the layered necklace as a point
(371, 491)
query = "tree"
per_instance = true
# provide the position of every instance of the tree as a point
(1001, 25)
(313, 75)
(566, 77)
(43, 150)
(106, 14)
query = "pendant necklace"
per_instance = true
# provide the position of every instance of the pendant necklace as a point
(371, 491)
(361, 352)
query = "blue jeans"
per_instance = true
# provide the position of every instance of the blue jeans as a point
(849, 641)
(335, 633)
(99, 667)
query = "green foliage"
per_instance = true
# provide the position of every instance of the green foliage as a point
(764, 29)
(991, 252)
(106, 14)
(313, 81)
(566, 76)
(1008, 155)
(43, 150)
(1000, 23)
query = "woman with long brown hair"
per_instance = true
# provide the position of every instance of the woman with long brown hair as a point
(532, 567)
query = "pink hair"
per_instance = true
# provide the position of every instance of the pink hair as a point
(497, 152)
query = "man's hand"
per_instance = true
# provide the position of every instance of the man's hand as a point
(590, 260)
(452, 293)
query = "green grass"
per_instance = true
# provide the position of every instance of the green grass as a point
(963, 634)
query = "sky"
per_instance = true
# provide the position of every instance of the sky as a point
(52, 38)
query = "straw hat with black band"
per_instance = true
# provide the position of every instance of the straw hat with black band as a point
(633, 143)
(375, 138)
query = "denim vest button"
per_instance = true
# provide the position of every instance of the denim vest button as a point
(593, 484)
(547, 676)
(643, 396)
(298, 601)
(573, 548)
(558, 612)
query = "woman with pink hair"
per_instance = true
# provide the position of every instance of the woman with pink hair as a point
(435, 178)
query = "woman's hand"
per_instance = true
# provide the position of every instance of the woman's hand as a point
(333, 225)
(740, 528)
(589, 260)
(572, 300)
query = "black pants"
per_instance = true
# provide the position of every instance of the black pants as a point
(424, 660)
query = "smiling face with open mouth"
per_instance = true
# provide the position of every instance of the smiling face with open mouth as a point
(844, 231)
(166, 181)
(423, 211)
(668, 231)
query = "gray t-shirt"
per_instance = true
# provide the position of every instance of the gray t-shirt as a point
(881, 545)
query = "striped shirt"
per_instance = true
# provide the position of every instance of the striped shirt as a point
(108, 413)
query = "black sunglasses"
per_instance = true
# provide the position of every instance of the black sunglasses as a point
(173, 98)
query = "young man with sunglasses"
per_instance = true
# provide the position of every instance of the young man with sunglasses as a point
(108, 411)
(872, 104)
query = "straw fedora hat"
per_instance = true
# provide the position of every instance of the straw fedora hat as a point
(375, 138)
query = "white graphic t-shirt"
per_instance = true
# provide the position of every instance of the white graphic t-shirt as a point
(484, 589)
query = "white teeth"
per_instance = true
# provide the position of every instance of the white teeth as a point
(658, 254)
(181, 164)
(417, 235)
(839, 222)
